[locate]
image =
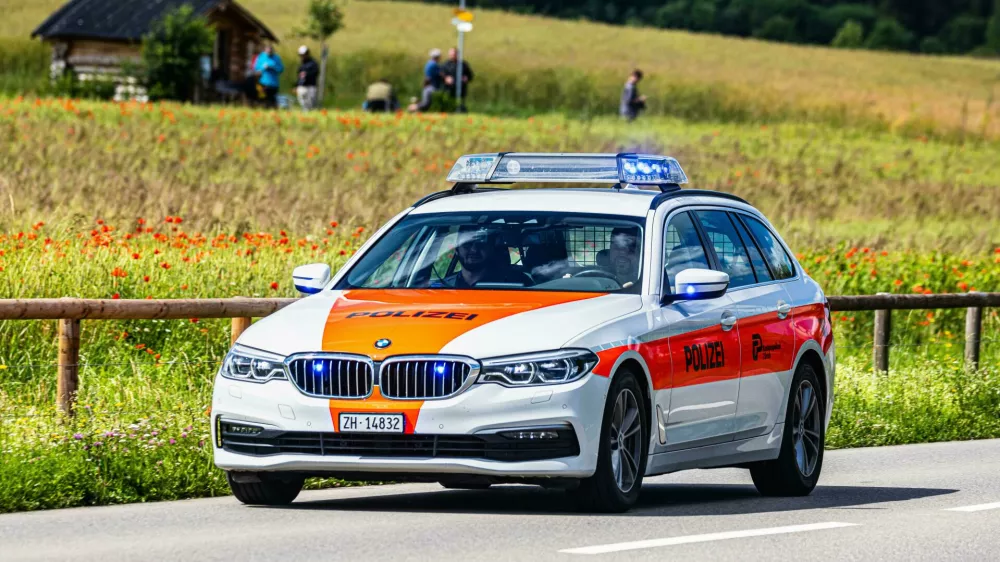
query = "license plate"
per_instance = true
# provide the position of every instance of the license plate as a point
(371, 423)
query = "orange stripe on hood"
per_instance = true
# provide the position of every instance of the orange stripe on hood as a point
(423, 321)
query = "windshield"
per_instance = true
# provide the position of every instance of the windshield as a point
(540, 251)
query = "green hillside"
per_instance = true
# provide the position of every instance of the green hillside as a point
(534, 64)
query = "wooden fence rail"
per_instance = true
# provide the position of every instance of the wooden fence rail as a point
(69, 312)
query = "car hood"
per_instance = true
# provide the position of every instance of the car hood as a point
(477, 323)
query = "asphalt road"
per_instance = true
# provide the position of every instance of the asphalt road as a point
(920, 502)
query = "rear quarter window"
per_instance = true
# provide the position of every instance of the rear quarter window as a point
(774, 253)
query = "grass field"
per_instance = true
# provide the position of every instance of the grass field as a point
(853, 155)
(141, 432)
(535, 64)
(68, 162)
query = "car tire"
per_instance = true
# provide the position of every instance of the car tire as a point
(621, 458)
(796, 470)
(265, 491)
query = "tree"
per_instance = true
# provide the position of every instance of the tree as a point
(993, 30)
(172, 51)
(963, 33)
(776, 28)
(323, 19)
(851, 35)
(889, 35)
(932, 46)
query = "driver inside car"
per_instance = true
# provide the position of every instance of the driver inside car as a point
(623, 255)
(484, 260)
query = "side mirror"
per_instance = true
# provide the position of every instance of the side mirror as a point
(698, 284)
(310, 279)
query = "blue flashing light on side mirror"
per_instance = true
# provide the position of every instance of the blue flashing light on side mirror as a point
(696, 284)
(311, 279)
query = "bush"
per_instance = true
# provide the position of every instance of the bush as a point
(702, 15)
(672, 15)
(933, 46)
(69, 85)
(171, 53)
(851, 35)
(777, 28)
(963, 34)
(993, 30)
(889, 35)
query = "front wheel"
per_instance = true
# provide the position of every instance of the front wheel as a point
(796, 470)
(261, 491)
(621, 460)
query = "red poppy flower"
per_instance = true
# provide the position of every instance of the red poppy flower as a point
(274, 285)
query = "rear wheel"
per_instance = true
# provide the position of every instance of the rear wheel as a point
(621, 460)
(264, 491)
(796, 470)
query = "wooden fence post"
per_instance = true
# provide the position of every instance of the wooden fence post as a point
(973, 335)
(240, 324)
(883, 333)
(69, 365)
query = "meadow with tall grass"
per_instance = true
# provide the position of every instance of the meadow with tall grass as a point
(879, 169)
(164, 200)
(529, 64)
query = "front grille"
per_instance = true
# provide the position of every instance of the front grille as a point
(332, 375)
(379, 445)
(426, 376)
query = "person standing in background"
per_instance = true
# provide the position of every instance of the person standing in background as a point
(432, 70)
(452, 75)
(269, 68)
(306, 89)
(632, 103)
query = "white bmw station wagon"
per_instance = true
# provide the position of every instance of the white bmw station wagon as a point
(577, 338)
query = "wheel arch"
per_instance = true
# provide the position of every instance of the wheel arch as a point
(633, 361)
(812, 354)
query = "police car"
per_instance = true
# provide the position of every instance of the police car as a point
(577, 338)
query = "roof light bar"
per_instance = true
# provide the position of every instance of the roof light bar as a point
(514, 167)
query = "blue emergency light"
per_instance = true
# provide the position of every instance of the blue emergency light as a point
(522, 167)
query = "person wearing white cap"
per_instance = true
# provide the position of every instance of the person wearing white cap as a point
(308, 75)
(432, 70)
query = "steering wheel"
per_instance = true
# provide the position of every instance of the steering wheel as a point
(596, 273)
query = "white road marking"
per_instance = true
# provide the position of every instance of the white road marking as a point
(689, 539)
(979, 507)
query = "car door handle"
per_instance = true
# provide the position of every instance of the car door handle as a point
(783, 309)
(728, 321)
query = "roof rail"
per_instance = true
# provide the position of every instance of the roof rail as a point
(663, 197)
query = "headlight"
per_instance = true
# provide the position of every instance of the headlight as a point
(253, 365)
(548, 367)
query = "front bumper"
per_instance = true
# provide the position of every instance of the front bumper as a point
(458, 435)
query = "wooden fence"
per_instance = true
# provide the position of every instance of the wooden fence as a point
(69, 312)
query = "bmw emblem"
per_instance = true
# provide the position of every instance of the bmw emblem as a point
(382, 343)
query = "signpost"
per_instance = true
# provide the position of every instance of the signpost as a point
(463, 23)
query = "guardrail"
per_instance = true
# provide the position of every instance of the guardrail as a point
(69, 312)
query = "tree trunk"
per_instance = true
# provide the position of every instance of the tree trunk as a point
(321, 90)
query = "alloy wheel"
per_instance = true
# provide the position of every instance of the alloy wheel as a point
(626, 440)
(806, 429)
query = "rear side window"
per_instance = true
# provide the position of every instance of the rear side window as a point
(774, 253)
(728, 246)
(759, 267)
(682, 250)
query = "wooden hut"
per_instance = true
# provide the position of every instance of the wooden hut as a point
(96, 37)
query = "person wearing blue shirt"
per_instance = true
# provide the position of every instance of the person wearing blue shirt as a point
(432, 70)
(268, 68)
